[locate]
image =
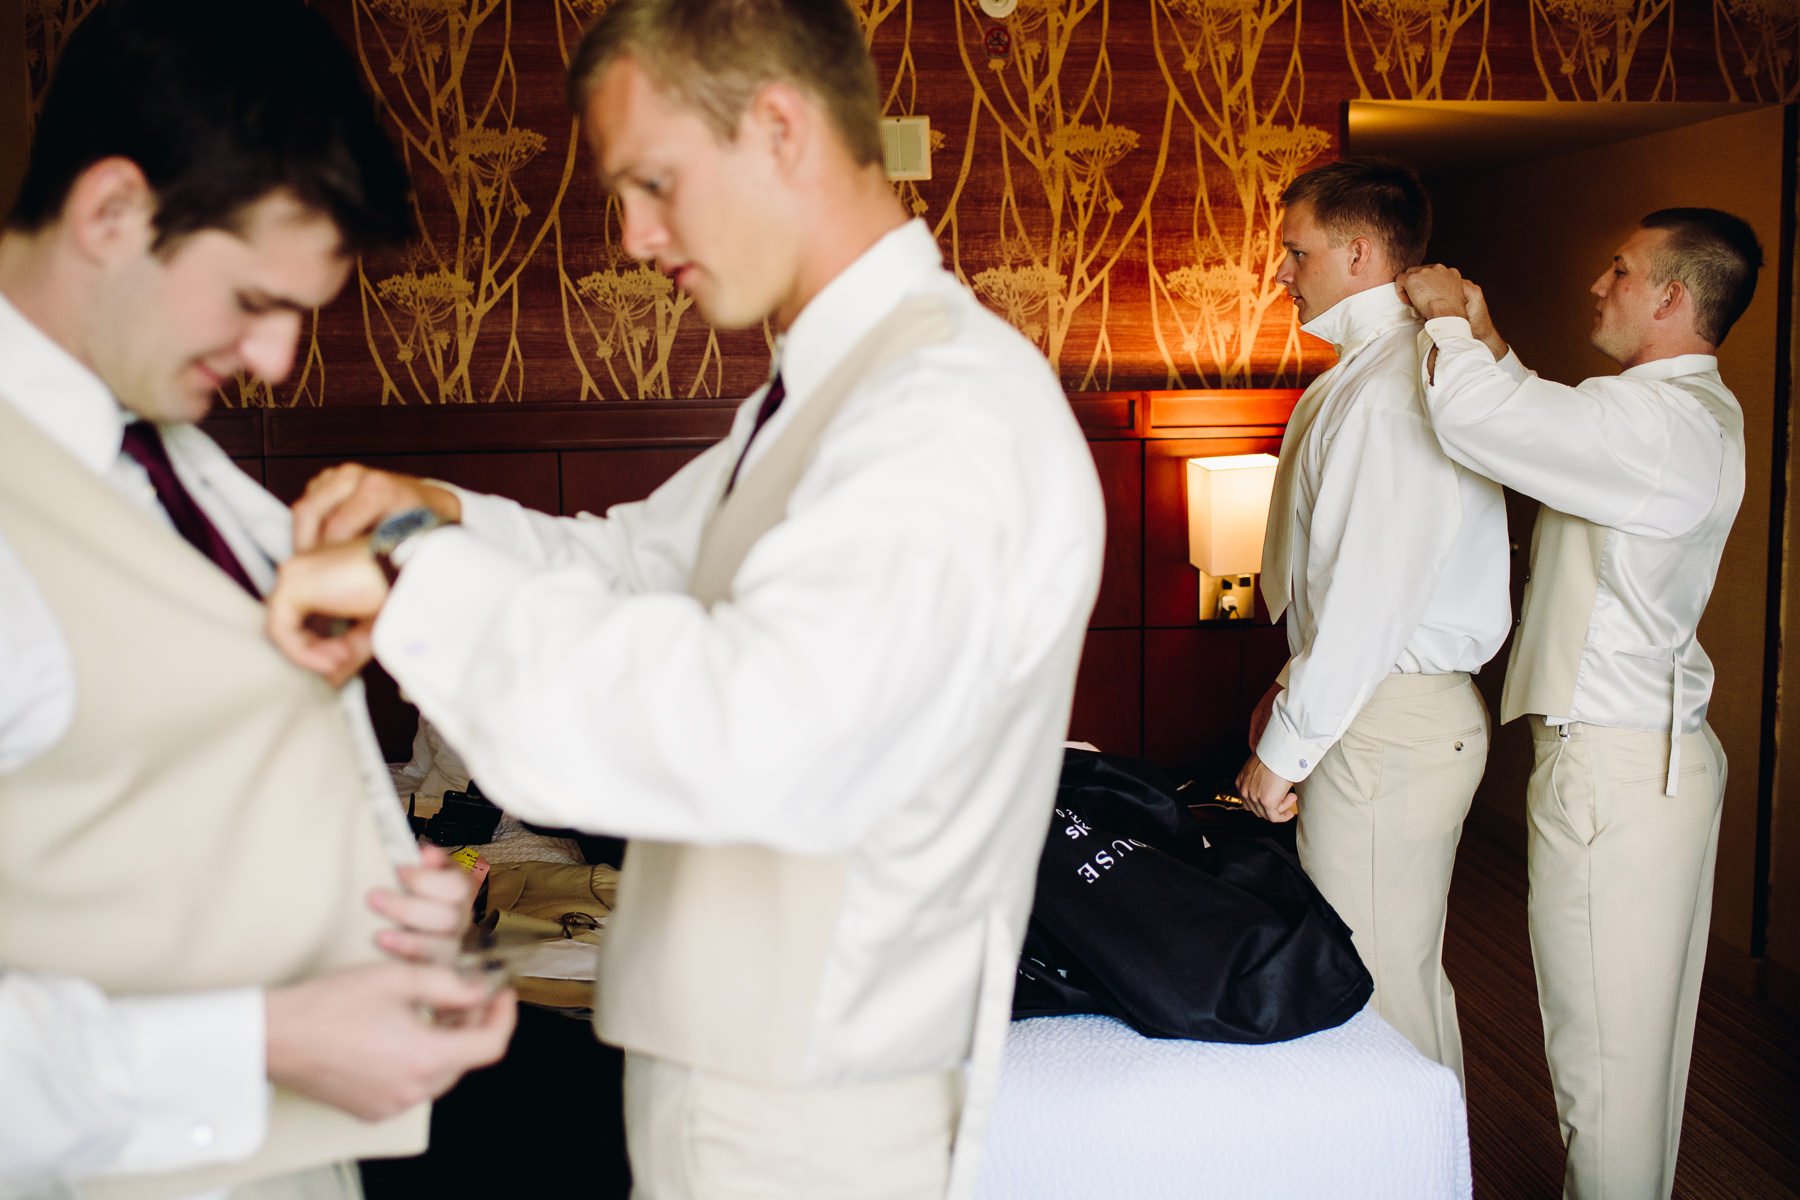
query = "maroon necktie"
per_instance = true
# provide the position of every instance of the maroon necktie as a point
(143, 441)
(770, 402)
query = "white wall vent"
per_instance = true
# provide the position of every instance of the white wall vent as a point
(906, 147)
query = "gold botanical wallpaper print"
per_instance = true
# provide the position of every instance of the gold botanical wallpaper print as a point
(1106, 175)
(1758, 41)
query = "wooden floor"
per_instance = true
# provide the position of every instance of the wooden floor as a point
(1741, 1135)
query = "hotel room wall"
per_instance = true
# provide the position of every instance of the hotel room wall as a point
(1106, 175)
(13, 94)
(1107, 184)
(1536, 237)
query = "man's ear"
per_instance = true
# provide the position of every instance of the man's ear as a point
(110, 211)
(1362, 255)
(1674, 298)
(781, 123)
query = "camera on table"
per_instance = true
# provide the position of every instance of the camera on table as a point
(465, 819)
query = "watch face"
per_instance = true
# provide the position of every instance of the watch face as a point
(397, 528)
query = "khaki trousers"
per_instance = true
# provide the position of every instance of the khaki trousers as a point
(692, 1136)
(334, 1181)
(1380, 819)
(1621, 903)
(339, 1181)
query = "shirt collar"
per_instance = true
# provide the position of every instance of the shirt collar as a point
(1669, 368)
(56, 393)
(850, 305)
(1361, 317)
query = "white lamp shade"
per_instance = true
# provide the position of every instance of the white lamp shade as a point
(1228, 508)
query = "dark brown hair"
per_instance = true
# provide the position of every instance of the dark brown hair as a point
(1715, 256)
(220, 103)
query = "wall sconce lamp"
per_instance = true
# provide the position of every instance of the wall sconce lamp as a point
(1228, 507)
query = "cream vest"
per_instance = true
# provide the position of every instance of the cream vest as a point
(894, 960)
(714, 955)
(1607, 632)
(202, 824)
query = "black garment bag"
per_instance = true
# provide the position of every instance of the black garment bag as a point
(1139, 917)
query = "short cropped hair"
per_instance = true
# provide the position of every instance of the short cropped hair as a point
(713, 56)
(1715, 256)
(220, 103)
(1369, 196)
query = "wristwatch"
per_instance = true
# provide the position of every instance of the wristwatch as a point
(394, 540)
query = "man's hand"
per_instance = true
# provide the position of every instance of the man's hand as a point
(1259, 717)
(348, 501)
(1481, 324)
(340, 582)
(431, 911)
(1434, 290)
(362, 1038)
(1265, 793)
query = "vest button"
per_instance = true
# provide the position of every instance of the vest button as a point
(1458, 746)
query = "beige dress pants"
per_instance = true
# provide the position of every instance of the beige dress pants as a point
(692, 1136)
(1380, 819)
(339, 1181)
(1621, 902)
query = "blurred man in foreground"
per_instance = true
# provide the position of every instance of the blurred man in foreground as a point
(191, 998)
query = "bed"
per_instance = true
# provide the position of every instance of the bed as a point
(1089, 1108)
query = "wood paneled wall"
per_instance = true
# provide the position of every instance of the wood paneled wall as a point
(1155, 681)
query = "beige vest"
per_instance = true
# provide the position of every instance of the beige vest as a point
(715, 953)
(1607, 632)
(202, 824)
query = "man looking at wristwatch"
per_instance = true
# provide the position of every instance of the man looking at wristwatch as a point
(190, 1000)
(821, 677)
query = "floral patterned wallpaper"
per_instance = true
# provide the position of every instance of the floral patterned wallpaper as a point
(1105, 175)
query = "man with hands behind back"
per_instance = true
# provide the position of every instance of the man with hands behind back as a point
(1390, 560)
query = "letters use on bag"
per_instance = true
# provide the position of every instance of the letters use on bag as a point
(1137, 916)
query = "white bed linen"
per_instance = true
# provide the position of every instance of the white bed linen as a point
(1088, 1108)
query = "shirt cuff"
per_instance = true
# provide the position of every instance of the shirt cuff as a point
(486, 515)
(1445, 328)
(448, 593)
(1285, 754)
(197, 1069)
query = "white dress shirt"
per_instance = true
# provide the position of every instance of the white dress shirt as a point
(1655, 456)
(1628, 451)
(92, 1084)
(947, 532)
(1400, 555)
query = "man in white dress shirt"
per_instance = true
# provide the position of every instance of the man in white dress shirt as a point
(820, 677)
(1391, 562)
(1640, 476)
(189, 997)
